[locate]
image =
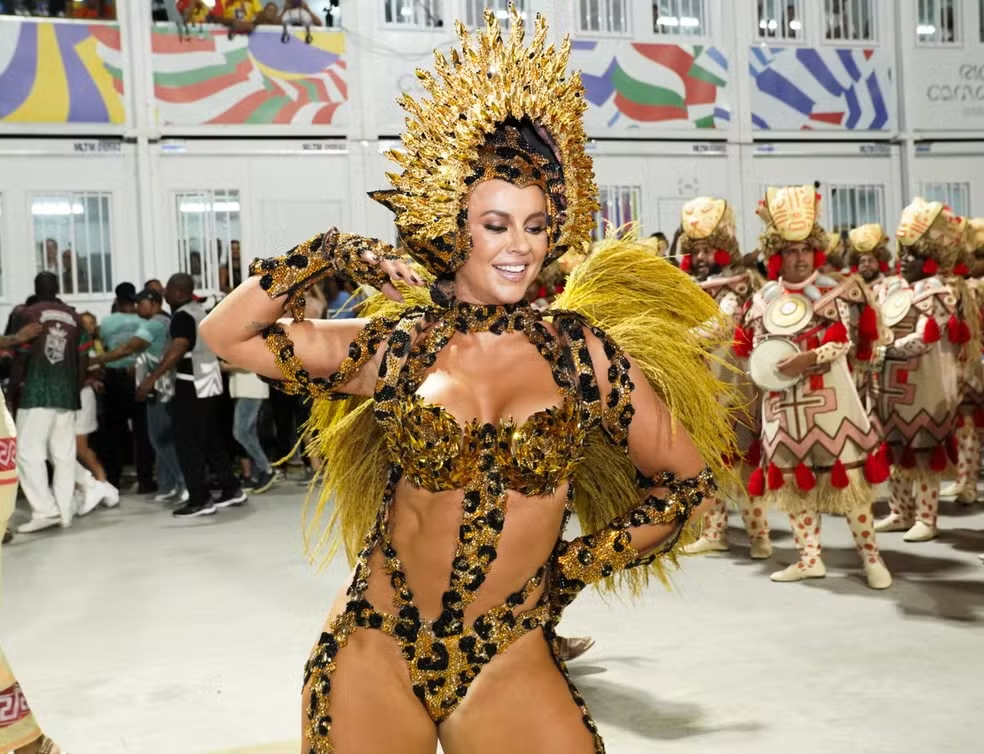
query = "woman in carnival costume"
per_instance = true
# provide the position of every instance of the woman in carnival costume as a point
(468, 426)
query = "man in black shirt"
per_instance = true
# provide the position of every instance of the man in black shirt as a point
(196, 404)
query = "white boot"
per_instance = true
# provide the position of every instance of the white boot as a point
(892, 523)
(967, 496)
(110, 495)
(921, 532)
(954, 489)
(705, 544)
(761, 549)
(799, 571)
(877, 575)
(92, 495)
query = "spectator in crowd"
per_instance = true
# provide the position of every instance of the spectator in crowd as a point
(91, 325)
(233, 263)
(241, 15)
(146, 348)
(197, 12)
(343, 297)
(122, 411)
(54, 366)
(298, 13)
(198, 393)
(249, 394)
(155, 285)
(90, 475)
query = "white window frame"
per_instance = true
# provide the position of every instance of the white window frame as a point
(677, 11)
(475, 11)
(55, 204)
(954, 194)
(774, 12)
(426, 15)
(611, 197)
(850, 199)
(213, 207)
(604, 11)
(854, 11)
(936, 24)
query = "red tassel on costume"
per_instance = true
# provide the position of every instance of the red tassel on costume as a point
(838, 476)
(742, 343)
(819, 259)
(909, 458)
(868, 324)
(722, 258)
(756, 483)
(957, 330)
(775, 266)
(686, 263)
(937, 460)
(836, 333)
(960, 421)
(854, 269)
(865, 351)
(961, 269)
(898, 268)
(964, 332)
(932, 332)
(541, 292)
(883, 266)
(885, 453)
(979, 417)
(930, 267)
(953, 450)
(876, 470)
(754, 455)
(776, 480)
(805, 479)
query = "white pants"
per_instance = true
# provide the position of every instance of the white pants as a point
(47, 434)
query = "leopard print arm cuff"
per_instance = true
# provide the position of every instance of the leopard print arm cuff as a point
(312, 261)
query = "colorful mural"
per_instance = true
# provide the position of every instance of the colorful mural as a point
(60, 72)
(211, 79)
(805, 88)
(652, 86)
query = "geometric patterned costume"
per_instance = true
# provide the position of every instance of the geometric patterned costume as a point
(708, 228)
(820, 453)
(919, 385)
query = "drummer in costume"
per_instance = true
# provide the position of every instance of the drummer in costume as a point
(919, 382)
(819, 451)
(710, 253)
(970, 415)
(868, 254)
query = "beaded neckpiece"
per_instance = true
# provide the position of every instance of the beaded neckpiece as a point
(495, 318)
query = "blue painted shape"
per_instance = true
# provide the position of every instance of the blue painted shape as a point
(811, 60)
(878, 100)
(584, 44)
(776, 85)
(17, 81)
(847, 60)
(614, 119)
(599, 89)
(721, 114)
(853, 108)
(714, 54)
(759, 123)
(761, 56)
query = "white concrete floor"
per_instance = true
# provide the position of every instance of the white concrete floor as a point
(133, 632)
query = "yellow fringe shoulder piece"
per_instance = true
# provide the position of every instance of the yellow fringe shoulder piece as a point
(657, 314)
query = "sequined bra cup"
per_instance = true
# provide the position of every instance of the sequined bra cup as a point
(438, 454)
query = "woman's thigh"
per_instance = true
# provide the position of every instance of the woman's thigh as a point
(519, 703)
(372, 707)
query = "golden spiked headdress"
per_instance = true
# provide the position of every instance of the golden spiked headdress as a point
(932, 231)
(791, 214)
(497, 109)
(868, 239)
(711, 221)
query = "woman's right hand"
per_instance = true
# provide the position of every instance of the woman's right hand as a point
(397, 270)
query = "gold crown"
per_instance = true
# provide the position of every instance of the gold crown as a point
(702, 216)
(865, 239)
(790, 215)
(453, 141)
(939, 233)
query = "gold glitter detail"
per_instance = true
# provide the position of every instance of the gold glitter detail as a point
(472, 96)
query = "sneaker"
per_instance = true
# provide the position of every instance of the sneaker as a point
(228, 500)
(192, 510)
(166, 497)
(247, 483)
(266, 481)
(111, 495)
(38, 524)
(92, 495)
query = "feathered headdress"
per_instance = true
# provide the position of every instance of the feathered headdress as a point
(497, 109)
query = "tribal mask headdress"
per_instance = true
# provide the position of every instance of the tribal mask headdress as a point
(711, 221)
(790, 214)
(497, 109)
(868, 240)
(932, 232)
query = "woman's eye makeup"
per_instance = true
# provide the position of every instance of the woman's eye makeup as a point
(495, 228)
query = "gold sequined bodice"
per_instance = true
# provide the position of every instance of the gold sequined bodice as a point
(438, 454)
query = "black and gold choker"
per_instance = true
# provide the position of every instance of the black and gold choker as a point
(496, 318)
